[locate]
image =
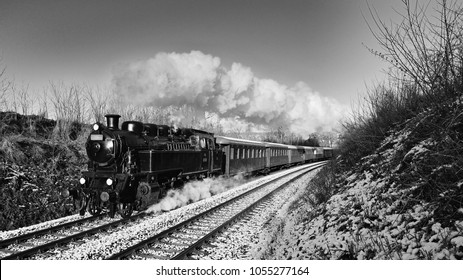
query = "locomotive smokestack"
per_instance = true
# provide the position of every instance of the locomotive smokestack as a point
(112, 121)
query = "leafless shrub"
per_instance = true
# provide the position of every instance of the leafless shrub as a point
(4, 88)
(98, 102)
(23, 100)
(68, 107)
(426, 59)
(43, 105)
(423, 49)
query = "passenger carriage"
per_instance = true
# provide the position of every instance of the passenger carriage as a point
(242, 156)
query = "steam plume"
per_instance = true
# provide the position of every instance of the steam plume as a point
(194, 191)
(199, 80)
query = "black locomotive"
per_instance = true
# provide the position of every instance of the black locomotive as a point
(133, 167)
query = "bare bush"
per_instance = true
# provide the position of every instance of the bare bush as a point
(98, 102)
(4, 88)
(23, 101)
(423, 49)
(425, 54)
(43, 105)
(68, 107)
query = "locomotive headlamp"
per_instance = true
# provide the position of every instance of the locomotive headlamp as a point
(104, 196)
(96, 126)
(109, 181)
(82, 181)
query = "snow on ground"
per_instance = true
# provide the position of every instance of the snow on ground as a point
(373, 214)
(362, 223)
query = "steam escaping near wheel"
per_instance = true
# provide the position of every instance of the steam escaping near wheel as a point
(195, 191)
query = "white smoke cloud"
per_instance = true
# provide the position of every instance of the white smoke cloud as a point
(199, 80)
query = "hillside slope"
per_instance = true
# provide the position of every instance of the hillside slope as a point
(404, 201)
(36, 164)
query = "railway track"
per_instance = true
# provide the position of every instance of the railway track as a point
(183, 239)
(40, 241)
(180, 240)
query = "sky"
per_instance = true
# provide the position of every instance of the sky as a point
(293, 49)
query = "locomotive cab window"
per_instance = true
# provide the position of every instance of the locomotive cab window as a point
(202, 143)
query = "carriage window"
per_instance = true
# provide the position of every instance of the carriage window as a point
(232, 153)
(252, 153)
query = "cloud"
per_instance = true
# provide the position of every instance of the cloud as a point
(199, 80)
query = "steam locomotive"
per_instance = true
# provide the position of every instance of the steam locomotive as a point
(133, 167)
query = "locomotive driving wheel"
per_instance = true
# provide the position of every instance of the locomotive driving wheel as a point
(94, 207)
(125, 209)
